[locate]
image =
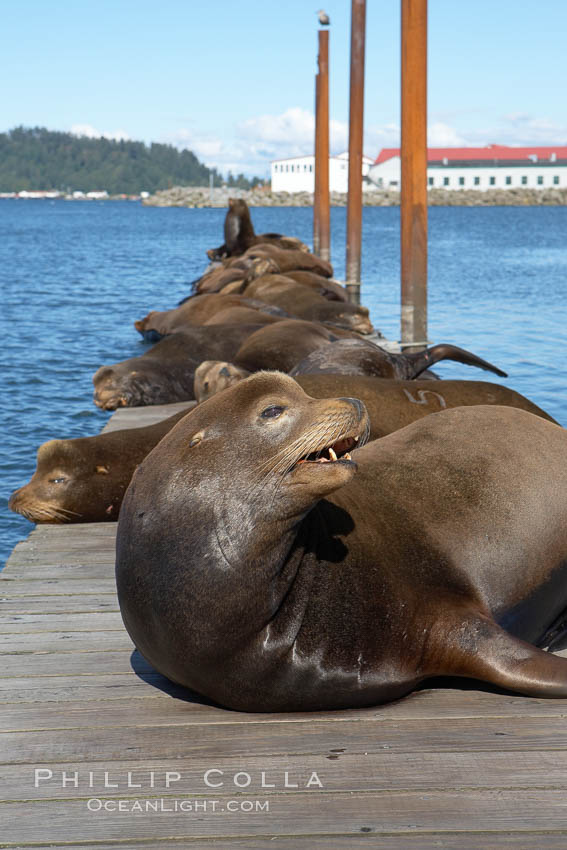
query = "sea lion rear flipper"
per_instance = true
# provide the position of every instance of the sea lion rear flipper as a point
(423, 359)
(478, 648)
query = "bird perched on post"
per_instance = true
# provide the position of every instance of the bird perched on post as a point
(324, 19)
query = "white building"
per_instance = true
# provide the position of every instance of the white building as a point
(297, 173)
(491, 167)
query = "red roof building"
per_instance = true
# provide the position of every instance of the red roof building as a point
(493, 166)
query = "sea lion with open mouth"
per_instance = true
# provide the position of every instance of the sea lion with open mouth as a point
(262, 565)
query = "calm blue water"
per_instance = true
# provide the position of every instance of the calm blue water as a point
(74, 276)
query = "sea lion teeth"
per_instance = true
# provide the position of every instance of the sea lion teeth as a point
(332, 453)
(347, 456)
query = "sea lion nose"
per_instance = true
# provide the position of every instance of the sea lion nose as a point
(356, 403)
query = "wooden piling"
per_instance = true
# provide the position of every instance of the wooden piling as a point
(321, 205)
(414, 176)
(355, 142)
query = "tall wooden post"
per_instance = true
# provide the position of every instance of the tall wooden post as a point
(321, 198)
(316, 181)
(355, 136)
(414, 175)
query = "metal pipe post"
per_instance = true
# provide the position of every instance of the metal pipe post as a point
(355, 141)
(414, 176)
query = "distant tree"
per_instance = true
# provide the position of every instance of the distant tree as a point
(37, 158)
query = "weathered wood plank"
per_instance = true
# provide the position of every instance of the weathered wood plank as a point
(54, 663)
(273, 739)
(63, 603)
(18, 624)
(296, 814)
(375, 772)
(65, 641)
(485, 840)
(89, 568)
(137, 417)
(64, 585)
(108, 677)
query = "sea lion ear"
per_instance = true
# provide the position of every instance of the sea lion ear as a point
(102, 470)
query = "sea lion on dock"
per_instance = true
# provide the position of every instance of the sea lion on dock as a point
(84, 479)
(324, 286)
(308, 579)
(288, 260)
(239, 234)
(165, 373)
(196, 311)
(303, 302)
(391, 404)
(276, 346)
(359, 357)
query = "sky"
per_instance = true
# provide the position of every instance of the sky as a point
(234, 81)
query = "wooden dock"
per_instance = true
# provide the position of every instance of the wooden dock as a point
(99, 750)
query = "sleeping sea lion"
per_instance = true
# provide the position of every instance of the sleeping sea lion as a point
(196, 311)
(305, 303)
(359, 357)
(84, 480)
(261, 565)
(165, 373)
(391, 404)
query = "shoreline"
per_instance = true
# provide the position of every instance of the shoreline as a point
(196, 196)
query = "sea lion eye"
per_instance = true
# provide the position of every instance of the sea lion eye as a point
(272, 411)
(57, 480)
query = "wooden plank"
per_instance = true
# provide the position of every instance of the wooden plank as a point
(62, 603)
(18, 587)
(302, 815)
(376, 772)
(41, 663)
(272, 739)
(88, 568)
(138, 417)
(424, 841)
(17, 624)
(65, 642)
(155, 707)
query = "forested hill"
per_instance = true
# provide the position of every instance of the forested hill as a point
(36, 158)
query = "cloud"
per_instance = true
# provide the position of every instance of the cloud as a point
(92, 133)
(256, 141)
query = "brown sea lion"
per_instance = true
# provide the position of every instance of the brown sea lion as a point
(324, 286)
(84, 480)
(275, 346)
(307, 579)
(287, 260)
(212, 376)
(242, 315)
(219, 277)
(391, 404)
(165, 373)
(239, 234)
(303, 302)
(196, 311)
(359, 357)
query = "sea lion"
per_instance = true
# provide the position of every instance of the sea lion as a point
(212, 376)
(288, 260)
(391, 404)
(165, 373)
(324, 286)
(359, 357)
(242, 315)
(218, 278)
(263, 567)
(278, 346)
(239, 234)
(196, 311)
(304, 303)
(84, 480)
